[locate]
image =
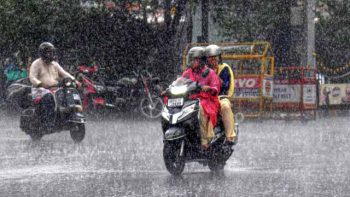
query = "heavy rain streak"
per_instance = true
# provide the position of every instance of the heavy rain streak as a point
(174, 98)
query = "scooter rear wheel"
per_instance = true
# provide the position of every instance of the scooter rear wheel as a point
(216, 166)
(174, 163)
(77, 133)
(36, 136)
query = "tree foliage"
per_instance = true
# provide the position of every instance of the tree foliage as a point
(116, 35)
(253, 20)
(333, 34)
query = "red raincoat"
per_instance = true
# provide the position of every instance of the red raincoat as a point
(208, 100)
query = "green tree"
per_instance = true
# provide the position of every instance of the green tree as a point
(116, 34)
(243, 21)
(26, 23)
(333, 34)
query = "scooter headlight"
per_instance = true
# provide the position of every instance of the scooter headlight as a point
(178, 90)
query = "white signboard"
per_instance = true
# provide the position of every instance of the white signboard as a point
(334, 94)
(309, 94)
(283, 93)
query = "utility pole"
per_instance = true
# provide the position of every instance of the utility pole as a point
(310, 29)
(205, 21)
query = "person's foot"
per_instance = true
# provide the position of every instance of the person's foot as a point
(205, 147)
(231, 140)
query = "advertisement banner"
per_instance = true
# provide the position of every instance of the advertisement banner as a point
(309, 95)
(247, 87)
(283, 93)
(334, 94)
(268, 87)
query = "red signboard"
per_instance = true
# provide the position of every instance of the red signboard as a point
(247, 87)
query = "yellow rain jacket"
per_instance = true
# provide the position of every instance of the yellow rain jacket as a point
(227, 80)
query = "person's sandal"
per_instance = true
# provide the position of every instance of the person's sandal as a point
(231, 141)
(205, 147)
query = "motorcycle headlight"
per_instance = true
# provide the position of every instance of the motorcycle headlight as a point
(178, 90)
(187, 110)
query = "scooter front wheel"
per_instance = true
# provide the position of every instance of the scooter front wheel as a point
(77, 133)
(174, 163)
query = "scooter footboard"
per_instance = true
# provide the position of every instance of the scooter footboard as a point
(174, 133)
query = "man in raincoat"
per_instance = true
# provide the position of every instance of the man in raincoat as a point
(224, 71)
(13, 72)
(210, 87)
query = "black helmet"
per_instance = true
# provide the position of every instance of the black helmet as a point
(47, 52)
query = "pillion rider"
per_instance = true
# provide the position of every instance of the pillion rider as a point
(224, 71)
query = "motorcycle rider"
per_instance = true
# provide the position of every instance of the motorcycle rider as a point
(210, 87)
(44, 73)
(224, 71)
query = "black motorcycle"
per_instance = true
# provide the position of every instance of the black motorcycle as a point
(140, 91)
(67, 114)
(180, 124)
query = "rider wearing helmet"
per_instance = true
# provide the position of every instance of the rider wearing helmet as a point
(224, 71)
(44, 73)
(210, 87)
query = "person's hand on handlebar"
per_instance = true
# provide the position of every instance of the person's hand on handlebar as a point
(206, 88)
(78, 84)
(39, 85)
(164, 92)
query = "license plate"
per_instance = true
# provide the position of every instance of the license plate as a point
(175, 102)
(76, 96)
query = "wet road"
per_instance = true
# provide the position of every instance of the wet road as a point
(121, 156)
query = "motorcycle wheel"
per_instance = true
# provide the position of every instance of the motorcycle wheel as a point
(77, 133)
(216, 165)
(150, 111)
(173, 162)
